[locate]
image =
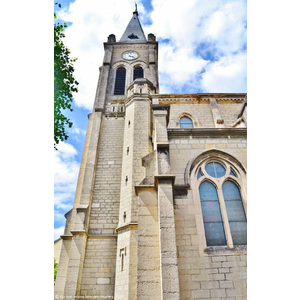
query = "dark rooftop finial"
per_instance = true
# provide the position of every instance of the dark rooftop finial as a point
(136, 12)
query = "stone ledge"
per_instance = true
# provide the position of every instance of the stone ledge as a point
(214, 249)
(111, 236)
(132, 224)
(140, 188)
(206, 132)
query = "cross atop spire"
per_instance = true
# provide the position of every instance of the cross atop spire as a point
(136, 9)
(134, 31)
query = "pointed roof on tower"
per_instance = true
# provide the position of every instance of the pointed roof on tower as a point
(134, 31)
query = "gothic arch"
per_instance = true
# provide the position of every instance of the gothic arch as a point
(212, 154)
(186, 113)
(138, 63)
(114, 73)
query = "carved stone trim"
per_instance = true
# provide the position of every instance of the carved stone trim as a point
(206, 132)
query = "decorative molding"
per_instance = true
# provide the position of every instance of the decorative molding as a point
(238, 100)
(206, 132)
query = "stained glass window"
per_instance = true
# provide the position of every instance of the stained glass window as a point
(186, 122)
(215, 169)
(213, 224)
(235, 212)
(199, 174)
(232, 173)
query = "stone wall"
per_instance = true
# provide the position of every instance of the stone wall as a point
(106, 197)
(98, 276)
(229, 112)
(216, 275)
(183, 149)
(201, 113)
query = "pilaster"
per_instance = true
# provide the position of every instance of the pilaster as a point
(75, 237)
(103, 78)
(167, 237)
(136, 145)
(166, 221)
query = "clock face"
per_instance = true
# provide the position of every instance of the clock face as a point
(130, 55)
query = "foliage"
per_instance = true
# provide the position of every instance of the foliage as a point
(55, 269)
(64, 83)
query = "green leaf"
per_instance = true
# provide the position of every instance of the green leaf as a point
(64, 84)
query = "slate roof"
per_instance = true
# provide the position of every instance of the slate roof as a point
(134, 31)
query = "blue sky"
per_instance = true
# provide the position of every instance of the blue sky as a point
(202, 48)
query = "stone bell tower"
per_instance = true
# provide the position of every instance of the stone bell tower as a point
(99, 255)
(152, 161)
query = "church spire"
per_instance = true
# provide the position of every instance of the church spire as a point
(134, 31)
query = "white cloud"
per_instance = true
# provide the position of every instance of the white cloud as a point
(58, 216)
(58, 232)
(93, 21)
(78, 131)
(219, 25)
(226, 75)
(66, 170)
(225, 28)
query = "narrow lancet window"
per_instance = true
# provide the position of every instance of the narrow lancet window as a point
(120, 81)
(138, 72)
(213, 223)
(235, 212)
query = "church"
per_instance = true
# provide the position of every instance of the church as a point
(160, 209)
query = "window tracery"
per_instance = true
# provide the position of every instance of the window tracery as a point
(222, 206)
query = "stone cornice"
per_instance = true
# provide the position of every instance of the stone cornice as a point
(199, 98)
(137, 97)
(129, 44)
(202, 95)
(207, 132)
(90, 236)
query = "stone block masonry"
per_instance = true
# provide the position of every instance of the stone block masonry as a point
(98, 276)
(104, 214)
(136, 230)
(216, 275)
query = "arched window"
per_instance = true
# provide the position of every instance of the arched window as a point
(186, 122)
(221, 201)
(235, 213)
(213, 224)
(138, 72)
(120, 81)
